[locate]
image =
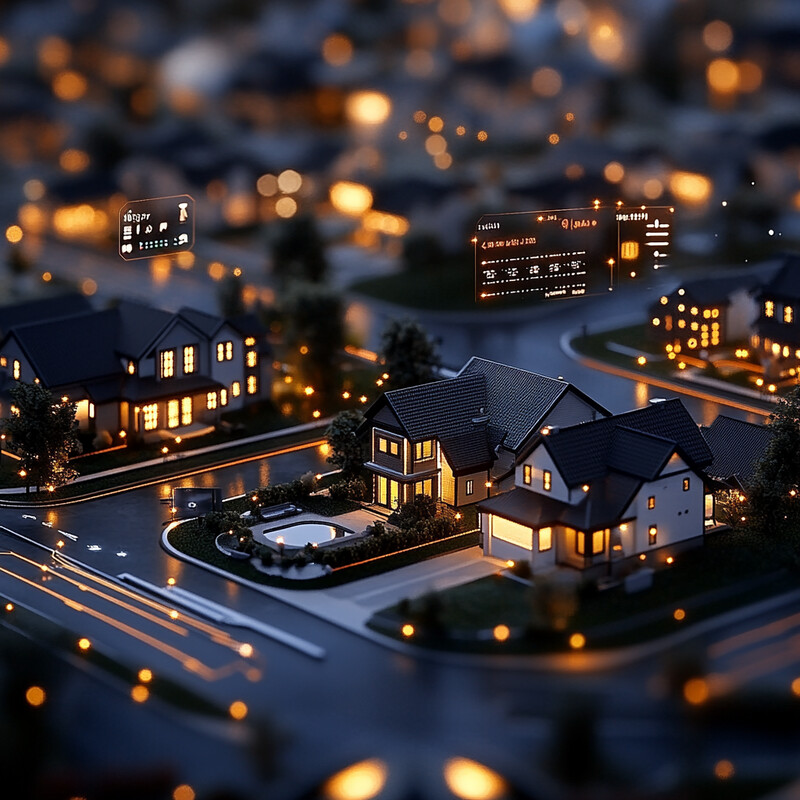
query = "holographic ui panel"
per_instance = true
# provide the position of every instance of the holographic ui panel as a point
(569, 252)
(156, 227)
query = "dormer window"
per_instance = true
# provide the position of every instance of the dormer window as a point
(547, 480)
(788, 314)
(423, 450)
(527, 474)
(769, 308)
(224, 351)
(167, 360)
(17, 369)
(131, 368)
(189, 359)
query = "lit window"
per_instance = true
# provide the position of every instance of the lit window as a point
(186, 411)
(470, 487)
(224, 351)
(211, 401)
(685, 484)
(3, 361)
(769, 308)
(223, 397)
(527, 474)
(706, 313)
(545, 539)
(252, 384)
(131, 368)
(383, 444)
(652, 535)
(681, 323)
(167, 363)
(189, 360)
(597, 543)
(694, 310)
(236, 388)
(788, 314)
(173, 413)
(91, 410)
(252, 358)
(150, 413)
(394, 448)
(547, 480)
(17, 370)
(651, 502)
(423, 450)
(249, 341)
(681, 307)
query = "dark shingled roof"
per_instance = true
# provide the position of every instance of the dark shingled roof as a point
(207, 323)
(47, 308)
(603, 507)
(485, 405)
(636, 443)
(516, 400)
(737, 445)
(786, 281)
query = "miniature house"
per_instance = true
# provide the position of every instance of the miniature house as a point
(137, 369)
(457, 440)
(776, 332)
(592, 494)
(704, 314)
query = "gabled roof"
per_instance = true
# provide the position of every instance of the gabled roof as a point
(637, 443)
(737, 446)
(518, 400)
(138, 327)
(604, 507)
(207, 323)
(487, 404)
(46, 308)
(786, 281)
(714, 291)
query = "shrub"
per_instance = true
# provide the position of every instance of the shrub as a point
(353, 489)
(216, 522)
(276, 493)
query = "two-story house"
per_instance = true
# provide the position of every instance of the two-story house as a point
(704, 314)
(140, 370)
(776, 332)
(601, 491)
(457, 440)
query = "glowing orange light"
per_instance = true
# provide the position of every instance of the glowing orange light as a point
(695, 691)
(407, 630)
(501, 633)
(140, 693)
(577, 641)
(35, 696)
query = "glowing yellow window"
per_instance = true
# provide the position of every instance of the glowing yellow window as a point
(788, 314)
(526, 474)
(211, 401)
(236, 388)
(189, 365)
(252, 358)
(223, 397)
(545, 539)
(769, 308)
(652, 535)
(252, 384)
(167, 363)
(186, 411)
(681, 323)
(131, 368)
(173, 413)
(547, 480)
(150, 413)
(17, 370)
(224, 351)
(3, 361)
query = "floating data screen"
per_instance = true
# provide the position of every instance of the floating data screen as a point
(156, 227)
(573, 252)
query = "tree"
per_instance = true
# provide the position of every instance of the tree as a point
(347, 450)
(45, 432)
(230, 298)
(298, 252)
(774, 499)
(409, 354)
(314, 325)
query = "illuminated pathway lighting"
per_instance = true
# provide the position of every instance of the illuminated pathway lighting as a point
(237, 710)
(577, 641)
(361, 781)
(470, 780)
(407, 630)
(84, 643)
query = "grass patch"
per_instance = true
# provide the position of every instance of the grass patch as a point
(187, 538)
(728, 571)
(167, 469)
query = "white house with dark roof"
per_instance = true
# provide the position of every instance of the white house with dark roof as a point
(593, 493)
(454, 439)
(142, 370)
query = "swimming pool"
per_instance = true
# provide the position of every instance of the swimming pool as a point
(299, 534)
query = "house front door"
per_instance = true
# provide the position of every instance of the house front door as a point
(388, 492)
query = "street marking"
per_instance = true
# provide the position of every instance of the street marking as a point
(93, 547)
(28, 516)
(68, 535)
(122, 554)
(48, 524)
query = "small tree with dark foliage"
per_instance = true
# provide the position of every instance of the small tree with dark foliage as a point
(346, 449)
(44, 431)
(410, 355)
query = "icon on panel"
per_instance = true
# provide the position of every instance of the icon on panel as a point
(143, 225)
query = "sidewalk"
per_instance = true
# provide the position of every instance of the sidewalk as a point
(177, 458)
